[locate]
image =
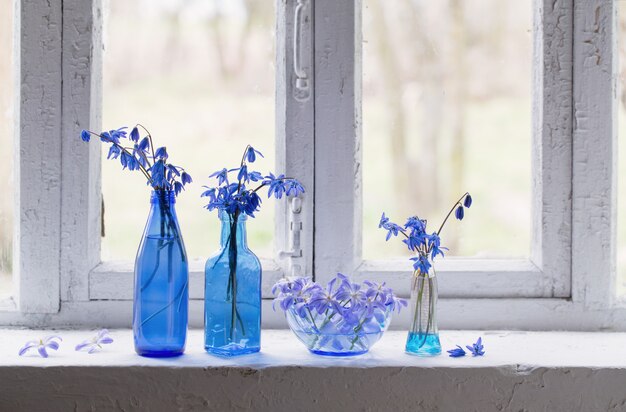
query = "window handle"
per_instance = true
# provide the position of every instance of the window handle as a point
(302, 79)
(295, 229)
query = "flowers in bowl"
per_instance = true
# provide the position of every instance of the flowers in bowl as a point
(342, 319)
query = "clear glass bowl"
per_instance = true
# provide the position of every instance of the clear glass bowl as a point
(333, 336)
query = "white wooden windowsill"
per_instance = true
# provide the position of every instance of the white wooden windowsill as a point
(521, 370)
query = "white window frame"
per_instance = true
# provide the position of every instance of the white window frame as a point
(567, 283)
(59, 277)
(573, 187)
(547, 272)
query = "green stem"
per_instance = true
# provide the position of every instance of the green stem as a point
(458, 203)
(179, 295)
(232, 278)
(359, 327)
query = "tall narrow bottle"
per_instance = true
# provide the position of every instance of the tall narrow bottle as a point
(160, 306)
(232, 317)
(423, 339)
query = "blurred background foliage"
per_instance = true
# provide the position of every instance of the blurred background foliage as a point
(446, 108)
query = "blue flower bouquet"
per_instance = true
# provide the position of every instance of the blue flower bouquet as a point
(161, 290)
(232, 298)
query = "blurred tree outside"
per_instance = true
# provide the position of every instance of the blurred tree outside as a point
(200, 75)
(447, 109)
(447, 102)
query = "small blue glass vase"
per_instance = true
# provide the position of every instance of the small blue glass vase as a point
(232, 297)
(160, 305)
(423, 339)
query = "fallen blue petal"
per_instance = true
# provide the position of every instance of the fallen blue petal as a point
(477, 348)
(456, 352)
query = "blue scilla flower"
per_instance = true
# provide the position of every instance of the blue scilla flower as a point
(255, 176)
(42, 345)
(416, 224)
(185, 178)
(427, 246)
(114, 152)
(134, 134)
(456, 352)
(468, 201)
(242, 176)
(158, 173)
(210, 193)
(161, 153)
(251, 154)
(236, 198)
(391, 228)
(342, 307)
(294, 188)
(434, 242)
(421, 263)
(276, 185)
(459, 213)
(413, 242)
(221, 176)
(477, 349)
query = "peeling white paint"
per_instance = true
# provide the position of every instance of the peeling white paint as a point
(520, 371)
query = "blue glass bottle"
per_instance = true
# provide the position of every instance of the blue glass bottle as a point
(423, 339)
(160, 306)
(232, 296)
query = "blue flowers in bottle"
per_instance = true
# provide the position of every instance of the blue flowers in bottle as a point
(423, 338)
(161, 282)
(233, 275)
(160, 304)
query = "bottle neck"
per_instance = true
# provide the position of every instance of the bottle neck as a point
(236, 226)
(162, 221)
(162, 197)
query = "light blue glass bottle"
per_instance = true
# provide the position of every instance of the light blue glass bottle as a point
(232, 296)
(160, 305)
(423, 339)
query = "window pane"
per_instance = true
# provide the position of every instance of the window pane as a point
(200, 76)
(447, 109)
(621, 212)
(6, 143)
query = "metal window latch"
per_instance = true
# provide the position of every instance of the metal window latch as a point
(295, 228)
(301, 91)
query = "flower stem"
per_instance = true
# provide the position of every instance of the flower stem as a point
(151, 144)
(360, 326)
(458, 203)
(232, 279)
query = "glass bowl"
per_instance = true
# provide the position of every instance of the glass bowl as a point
(332, 335)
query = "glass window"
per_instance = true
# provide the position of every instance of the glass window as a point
(6, 143)
(200, 76)
(447, 109)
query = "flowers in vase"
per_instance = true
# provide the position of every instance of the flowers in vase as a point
(137, 153)
(233, 275)
(236, 197)
(417, 239)
(423, 339)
